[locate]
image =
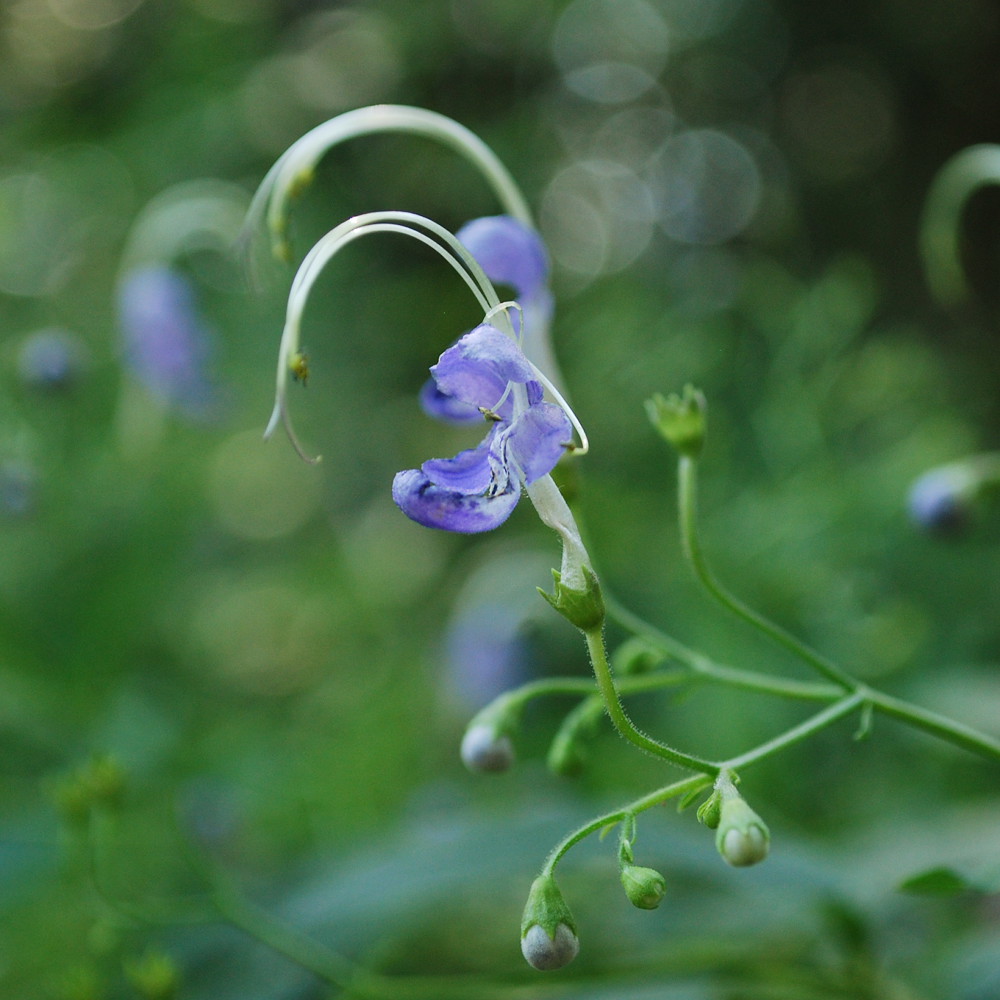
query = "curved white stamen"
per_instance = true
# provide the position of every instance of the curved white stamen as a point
(584, 445)
(322, 253)
(505, 308)
(295, 166)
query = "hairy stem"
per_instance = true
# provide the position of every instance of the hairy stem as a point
(620, 718)
(688, 496)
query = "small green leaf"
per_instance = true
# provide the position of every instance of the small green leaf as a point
(941, 881)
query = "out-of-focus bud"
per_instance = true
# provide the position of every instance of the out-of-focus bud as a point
(548, 931)
(940, 500)
(635, 656)
(680, 419)
(166, 343)
(485, 749)
(50, 359)
(154, 976)
(645, 887)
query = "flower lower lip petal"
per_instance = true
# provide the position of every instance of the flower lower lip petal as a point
(434, 507)
(468, 472)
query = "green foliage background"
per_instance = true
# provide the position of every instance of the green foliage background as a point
(259, 643)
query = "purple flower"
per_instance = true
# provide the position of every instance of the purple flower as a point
(510, 253)
(478, 488)
(513, 254)
(165, 341)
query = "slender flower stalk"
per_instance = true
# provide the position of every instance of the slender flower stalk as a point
(690, 538)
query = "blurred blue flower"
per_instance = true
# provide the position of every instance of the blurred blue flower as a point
(512, 254)
(166, 344)
(478, 488)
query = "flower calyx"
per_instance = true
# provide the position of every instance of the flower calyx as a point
(584, 607)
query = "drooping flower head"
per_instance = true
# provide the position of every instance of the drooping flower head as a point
(478, 488)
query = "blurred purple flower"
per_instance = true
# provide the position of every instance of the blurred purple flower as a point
(511, 254)
(166, 344)
(486, 652)
(478, 488)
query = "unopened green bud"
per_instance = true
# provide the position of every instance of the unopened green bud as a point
(680, 419)
(154, 976)
(742, 837)
(584, 608)
(635, 656)
(709, 812)
(645, 887)
(548, 931)
(106, 778)
(566, 755)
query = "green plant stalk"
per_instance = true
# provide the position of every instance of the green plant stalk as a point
(920, 718)
(687, 485)
(620, 718)
(707, 669)
(333, 968)
(941, 726)
(695, 783)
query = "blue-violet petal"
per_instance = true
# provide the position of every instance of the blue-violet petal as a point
(420, 500)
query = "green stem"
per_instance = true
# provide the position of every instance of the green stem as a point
(938, 725)
(708, 669)
(797, 733)
(688, 497)
(661, 795)
(676, 789)
(333, 968)
(620, 718)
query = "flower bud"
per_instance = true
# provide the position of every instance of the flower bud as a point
(680, 419)
(645, 887)
(742, 837)
(50, 359)
(485, 749)
(566, 755)
(940, 500)
(154, 976)
(548, 931)
(635, 656)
